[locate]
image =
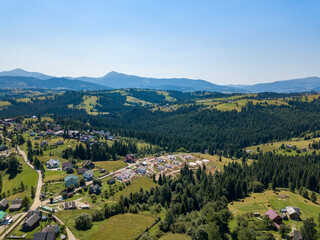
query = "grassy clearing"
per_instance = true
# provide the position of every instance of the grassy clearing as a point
(88, 104)
(137, 101)
(124, 226)
(167, 96)
(28, 176)
(276, 147)
(111, 166)
(141, 182)
(214, 160)
(261, 202)
(4, 104)
(54, 175)
(237, 102)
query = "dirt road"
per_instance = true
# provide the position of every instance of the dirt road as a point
(36, 202)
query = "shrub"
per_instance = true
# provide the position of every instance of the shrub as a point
(83, 221)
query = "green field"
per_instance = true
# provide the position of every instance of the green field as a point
(123, 226)
(261, 202)
(276, 147)
(28, 176)
(88, 104)
(141, 182)
(111, 166)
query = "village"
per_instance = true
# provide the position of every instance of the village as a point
(79, 181)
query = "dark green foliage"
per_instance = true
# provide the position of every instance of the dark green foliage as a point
(83, 221)
(308, 229)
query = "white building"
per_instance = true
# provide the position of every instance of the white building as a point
(53, 163)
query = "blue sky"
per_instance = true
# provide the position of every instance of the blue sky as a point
(225, 42)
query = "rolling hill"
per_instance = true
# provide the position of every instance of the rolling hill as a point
(52, 83)
(285, 86)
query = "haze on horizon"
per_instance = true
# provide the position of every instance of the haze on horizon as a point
(225, 42)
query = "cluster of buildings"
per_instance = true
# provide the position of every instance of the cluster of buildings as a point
(84, 170)
(285, 214)
(89, 136)
(33, 219)
(199, 163)
(7, 122)
(15, 205)
(125, 174)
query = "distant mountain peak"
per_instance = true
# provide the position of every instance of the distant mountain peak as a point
(19, 72)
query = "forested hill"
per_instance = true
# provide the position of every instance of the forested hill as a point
(195, 121)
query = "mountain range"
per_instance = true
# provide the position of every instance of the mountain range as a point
(19, 78)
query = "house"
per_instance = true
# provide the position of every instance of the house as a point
(31, 212)
(274, 217)
(4, 204)
(40, 236)
(129, 158)
(44, 143)
(69, 194)
(51, 229)
(70, 170)
(256, 214)
(71, 180)
(205, 161)
(142, 170)
(88, 164)
(284, 216)
(41, 134)
(32, 134)
(53, 163)
(31, 222)
(81, 170)
(95, 189)
(111, 181)
(66, 166)
(293, 213)
(192, 164)
(15, 205)
(88, 175)
(59, 133)
(70, 205)
(296, 235)
(3, 148)
(50, 132)
(45, 236)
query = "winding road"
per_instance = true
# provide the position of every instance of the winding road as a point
(36, 202)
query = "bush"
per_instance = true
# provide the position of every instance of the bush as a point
(83, 221)
(97, 215)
